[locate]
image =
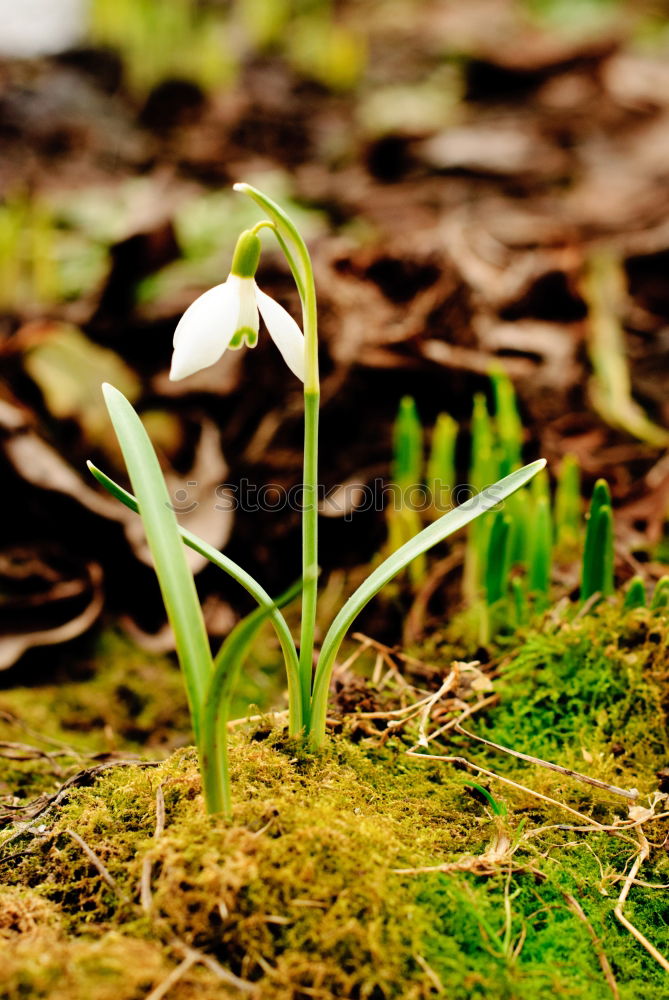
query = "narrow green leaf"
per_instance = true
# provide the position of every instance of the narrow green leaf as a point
(245, 580)
(394, 564)
(162, 534)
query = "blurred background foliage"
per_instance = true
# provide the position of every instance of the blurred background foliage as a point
(483, 185)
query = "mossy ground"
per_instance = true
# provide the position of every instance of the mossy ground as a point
(301, 895)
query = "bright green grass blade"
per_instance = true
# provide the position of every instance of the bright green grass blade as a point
(246, 581)
(539, 577)
(635, 596)
(498, 808)
(216, 712)
(497, 561)
(162, 534)
(596, 554)
(394, 564)
(407, 468)
(568, 502)
(660, 594)
(440, 474)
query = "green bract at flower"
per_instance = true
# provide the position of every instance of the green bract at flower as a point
(226, 317)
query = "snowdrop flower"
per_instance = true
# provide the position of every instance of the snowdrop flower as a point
(227, 317)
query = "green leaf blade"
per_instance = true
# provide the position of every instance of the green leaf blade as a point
(162, 533)
(394, 564)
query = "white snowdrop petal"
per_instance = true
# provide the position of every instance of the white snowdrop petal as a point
(248, 306)
(284, 331)
(205, 330)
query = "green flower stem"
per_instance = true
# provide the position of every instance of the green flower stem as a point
(310, 483)
(299, 262)
(309, 549)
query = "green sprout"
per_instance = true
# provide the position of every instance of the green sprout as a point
(660, 598)
(635, 596)
(407, 472)
(226, 317)
(440, 472)
(597, 569)
(568, 503)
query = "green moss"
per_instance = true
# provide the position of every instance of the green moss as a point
(121, 697)
(590, 691)
(306, 894)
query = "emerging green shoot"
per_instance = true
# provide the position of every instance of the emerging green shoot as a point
(507, 418)
(541, 551)
(635, 596)
(403, 517)
(660, 594)
(440, 473)
(568, 502)
(598, 557)
(407, 467)
(497, 562)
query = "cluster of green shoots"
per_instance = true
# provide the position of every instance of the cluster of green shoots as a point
(510, 557)
(200, 43)
(210, 680)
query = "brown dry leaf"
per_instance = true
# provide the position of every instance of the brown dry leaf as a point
(40, 465)
(197, 501)
(507, 148)
(64, 600)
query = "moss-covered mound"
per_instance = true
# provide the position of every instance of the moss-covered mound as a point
(313, 890)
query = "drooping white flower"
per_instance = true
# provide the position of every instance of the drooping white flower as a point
(226, 317)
